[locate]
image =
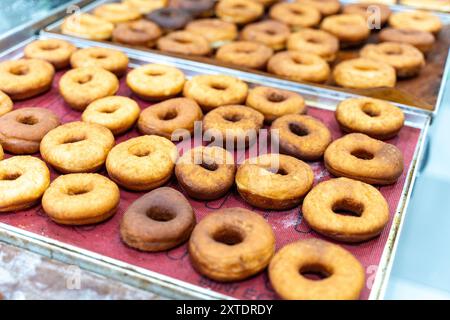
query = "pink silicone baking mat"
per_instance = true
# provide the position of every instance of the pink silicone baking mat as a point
(289, 226)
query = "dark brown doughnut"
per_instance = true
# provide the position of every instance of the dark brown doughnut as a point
(170, 18)
(137, 33)
(159, 220)
(197, 8)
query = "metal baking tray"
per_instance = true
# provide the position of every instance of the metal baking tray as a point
(32, 230)
(429, 86)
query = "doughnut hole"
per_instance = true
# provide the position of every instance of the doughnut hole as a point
(393, 51)
(208, 165)
(219, 86)
(49, 46)
(229, 236)
(280, 171)
(10, 176)
(154, 73)
(109, 109)
(348, 207)
(78, 190)
(99, 56)
(169, 115)
(275, 97)
(298, 129)
(84, 79)
(139, 151)
(370, 109)
(19, 70)
(233, 117)
(160, 214)
(362, 154)
(74, 139)
(28, 120)
(315, 272)
(365, 68)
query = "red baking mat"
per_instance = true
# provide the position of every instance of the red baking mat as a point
(288, 225)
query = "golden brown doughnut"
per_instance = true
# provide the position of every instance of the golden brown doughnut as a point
(23, 180)
(296, 15)
(231, 244)
(55, 51)
(300, 136)
(155, 81)
(314, 41)
(112, 60)
(378, 119)
(77, 147)
(184, 42)
(326, 7)
(146, 6)
(343, 275)
(116, 113)
(416, 20)
(346, 210)
(142, 163)
(239, 11)
(117, 12)
(274, 181)
(422, 40)
(6, 104)
(370, 12)
(25, 78)
(299, 66)
(271, 33)
(215, 31)
(1, 153)
(246, 54)
(206, 173)
(81, 198)
(137, 33)
(80, 86)
(88, 26)
(350, 29)
(359, 157)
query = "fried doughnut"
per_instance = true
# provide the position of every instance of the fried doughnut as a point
(25, 78)
(378, 119)
(22, 130)
(6, 104)
(266, 3)
(80, 86)
(234, 124)
(370, 12)
(299, 66)
(416, 20)
(406, 59)
(212, 91)
(301, 136)
(142, 163)
(155, 81)
(271, 33)
(196, 8)
(137, 33)
(215, 31)
(346, 210)
(23, 180)
(206, 173)
(117, 12)
(314, 41)
(350, 29)
(81, 198)
(165, 118)
(146, 6)
(169, 19)
(326, 7)
(77, 147)
(231, 244)
(55, 51)
(246, 54)
(295, 15)
(422, 40)
(1, 153)
(360, 157)
(274, 181)
(116, 113)
(112, 60)
(364, 73)
(88, 26)
(239, 11)
(184, 42)
(274, 103)
(159, 220)
(343, 275)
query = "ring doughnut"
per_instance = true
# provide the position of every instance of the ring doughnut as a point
(215, 31)
(165, 118)
(206, 173)
(378, 119)
(159, 220)
(6, 104)
(142, 163)
(301, 136)
(364, 210)
(246, 54)
(271, 33)
(236, 123)
(81, 198)
(357, 156)
(364, 73)
(344, 276)
(146, 6)
(112, 60)
(137, 33)
(155, 81)
(117, 12)
(55, 51)
(116, 113)
(169, 19)
(299, 66)
(23, 180)
(80, 86)
(274, 181)
(196, 8)
(77, 147)
(88, 26)
(326, 7)
(239, 11)
(22, 130)
(295, 15)
(1, 153)
(184, 42)
(369, 11)
(212, 91)
(25, 78)
(314, 41)
(416, 20)
(422, 40)
(231, 244)
(274, 103)
(350, 29)
(406, 59)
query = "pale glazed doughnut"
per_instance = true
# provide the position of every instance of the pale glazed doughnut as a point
(239, 11)
(146, 6)
(314, 41)
(55, 51)
(85, 25)
(296, 15)
(350, 29)
(215, 31)
(117, 12)
(112, 60)
(326, 7)
(246, 54)
(417, 20)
